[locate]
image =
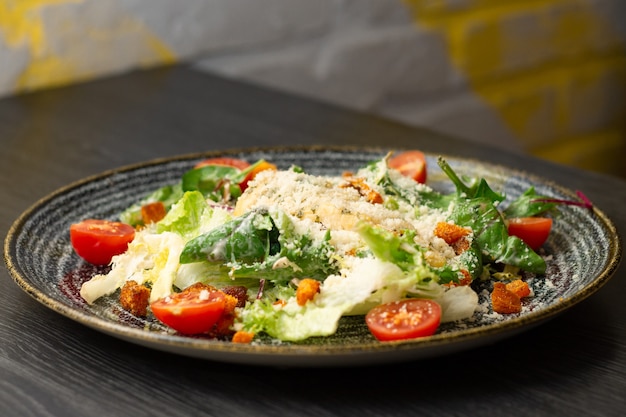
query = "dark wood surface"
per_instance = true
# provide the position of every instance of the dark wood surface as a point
(573, 365)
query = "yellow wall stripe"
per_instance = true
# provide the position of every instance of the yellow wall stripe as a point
(21, 26)
(573, 62)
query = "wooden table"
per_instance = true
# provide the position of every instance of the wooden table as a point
(573, 365)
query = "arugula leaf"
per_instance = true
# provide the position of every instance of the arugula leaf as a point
(474, 205)
(491, 235)
(478, 189)
(529, 204)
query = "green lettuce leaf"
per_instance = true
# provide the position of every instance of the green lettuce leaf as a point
(187, 216)
(168, 195)
(263, 245)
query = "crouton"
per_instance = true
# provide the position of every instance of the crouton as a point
(504, 301)
(307, 288)
(359, 184)
(134, 298)
(152, 212)
(242, 337)
(519, 287)
(453, 235)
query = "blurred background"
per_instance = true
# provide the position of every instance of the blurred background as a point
(546, 77)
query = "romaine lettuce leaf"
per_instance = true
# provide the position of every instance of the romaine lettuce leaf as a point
(190, 215)
(419, 278)
(150, 258)
(263, 245)
(339, 295)
(168, 195)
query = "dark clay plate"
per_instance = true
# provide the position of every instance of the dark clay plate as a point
(582, 254)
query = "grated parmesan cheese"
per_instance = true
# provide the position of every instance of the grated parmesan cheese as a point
(320, 203)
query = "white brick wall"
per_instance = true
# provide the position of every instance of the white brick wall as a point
(13, 60)
(193, 27)
(374, 58)
(515, 74)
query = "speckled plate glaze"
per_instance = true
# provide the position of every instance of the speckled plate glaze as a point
(582, 252)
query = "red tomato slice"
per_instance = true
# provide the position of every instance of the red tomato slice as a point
(411, 164)
(532, 230)
(405, 319)
(231, 162)
(192, 311)
(97, 241)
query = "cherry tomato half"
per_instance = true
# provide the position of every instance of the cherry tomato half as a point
(532, 230)
(405, 319)
(411, 164)
(191, 311)
(231, 162)
(97, 241)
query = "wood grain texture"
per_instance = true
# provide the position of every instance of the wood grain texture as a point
(572, 365)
